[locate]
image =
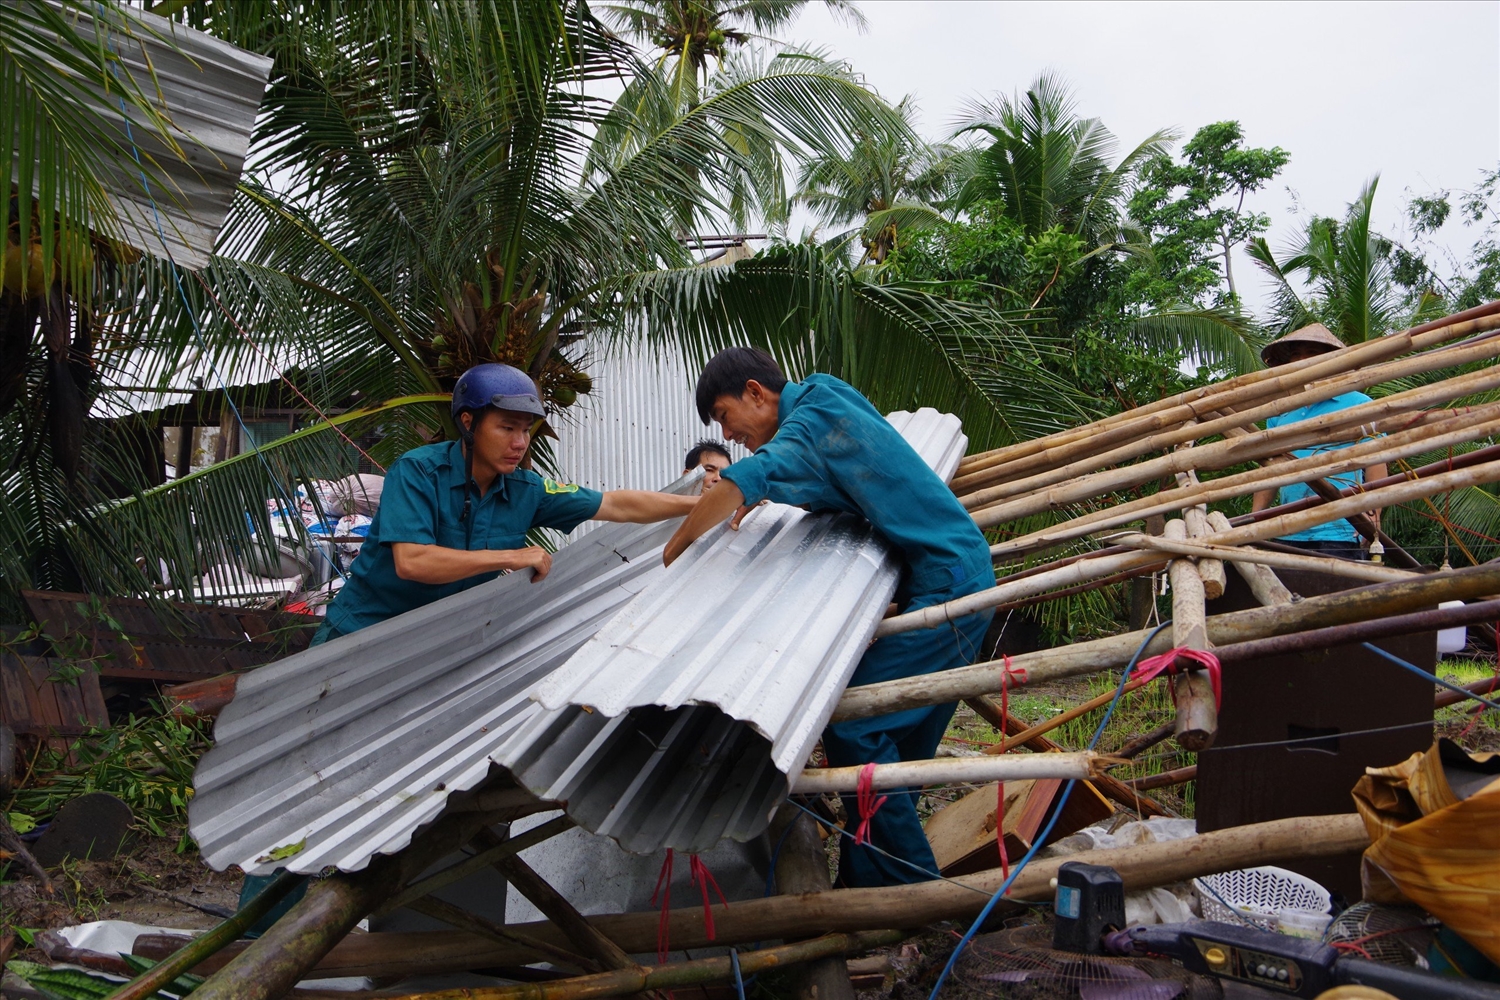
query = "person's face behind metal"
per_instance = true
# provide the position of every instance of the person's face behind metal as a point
(501, 438)
(750, 419)
(712, 464)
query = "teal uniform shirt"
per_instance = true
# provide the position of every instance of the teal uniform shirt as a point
(422, 502)
(1331, 531)
(834, 451)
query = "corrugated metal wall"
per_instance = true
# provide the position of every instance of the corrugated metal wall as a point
(632, 431)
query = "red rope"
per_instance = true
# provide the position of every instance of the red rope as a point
(290, 384)
(1007, 672)
(703, 878)
(868, 803)
(663, 925)
(1167, 663)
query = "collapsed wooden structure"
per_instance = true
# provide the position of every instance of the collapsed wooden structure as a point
(1098, 480)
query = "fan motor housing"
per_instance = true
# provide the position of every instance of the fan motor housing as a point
(1090, 900)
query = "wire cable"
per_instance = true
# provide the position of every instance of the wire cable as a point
(1041, 837)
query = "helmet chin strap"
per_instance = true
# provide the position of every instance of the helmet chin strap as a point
(466, 435)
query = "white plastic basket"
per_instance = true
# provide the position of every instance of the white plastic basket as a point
(1257, 895)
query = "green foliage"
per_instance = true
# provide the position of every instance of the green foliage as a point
(146, 762)
(1194, 212)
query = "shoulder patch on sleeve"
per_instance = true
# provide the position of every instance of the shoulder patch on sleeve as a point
(553, 486)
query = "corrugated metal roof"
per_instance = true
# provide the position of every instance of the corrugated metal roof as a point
(210, 91)
(352, 746)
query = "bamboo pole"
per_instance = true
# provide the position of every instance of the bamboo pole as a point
(189, 955)
(477, 863)
(1110, 653)
(1292, 392)
(1462, 427)
(1061, 718)
(1285, 524)
(950, 771)
(677, 975)
(1445, 697)
(1002, 462)
(1351, 568)
(1210, 568)
(1008, 725)
(457, 916)
(1262, 580)
(1197, 711)
(1179, 776)
(801, 866)
(1146, 741)
(280, 957)
(1075, 483)
(583, 936)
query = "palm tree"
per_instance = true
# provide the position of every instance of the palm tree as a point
(687, 34)
(888, 182)
(1051, 168)
(436, 186)
(1347, 264)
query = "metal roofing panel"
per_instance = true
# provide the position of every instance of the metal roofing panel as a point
(350, 747)
(210, 91)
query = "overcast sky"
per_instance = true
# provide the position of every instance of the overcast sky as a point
(1407, 90)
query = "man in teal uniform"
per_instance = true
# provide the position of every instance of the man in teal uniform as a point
(1332, 538)
(820, 444)
(455, 514)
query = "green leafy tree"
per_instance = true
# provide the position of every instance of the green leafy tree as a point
(1194, 212)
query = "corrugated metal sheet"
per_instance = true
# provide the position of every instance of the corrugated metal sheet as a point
(210, 91)
(765, 624)
(350, 747)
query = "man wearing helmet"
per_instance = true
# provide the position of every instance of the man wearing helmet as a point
(455, 514)
(1334, 538)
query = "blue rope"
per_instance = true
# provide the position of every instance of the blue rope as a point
(1047, 830)
(1432, 677)
(187, 305)
(739, 982)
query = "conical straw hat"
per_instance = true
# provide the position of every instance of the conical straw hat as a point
(1274, 353)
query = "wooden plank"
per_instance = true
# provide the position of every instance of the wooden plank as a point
(15, 704)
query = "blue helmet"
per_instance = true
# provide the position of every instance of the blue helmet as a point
(497, 385)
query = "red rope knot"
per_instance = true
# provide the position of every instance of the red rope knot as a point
(703, 878)
(663, 925)
(1169, 661)
(868, 803)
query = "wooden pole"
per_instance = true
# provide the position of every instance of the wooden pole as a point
(584, 936)
(164, 972)
(1112, 652)
(950, 770)
(1180, 776)
(1210, 568)
(1262, 580)
(1197, 712)
(478, 862)
(1206, 551)
(678, 975)
(1146, 741)
(1082, 481)
(1047, 725)
(457, 916)
(1111, 788)
(13, 843)
(801, 866)
(992, 466)
(280, 957)
(1459, 429)
(1104, 565)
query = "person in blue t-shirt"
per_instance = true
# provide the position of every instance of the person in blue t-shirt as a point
(1333, 538)
(454, 515)
(818, 443)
